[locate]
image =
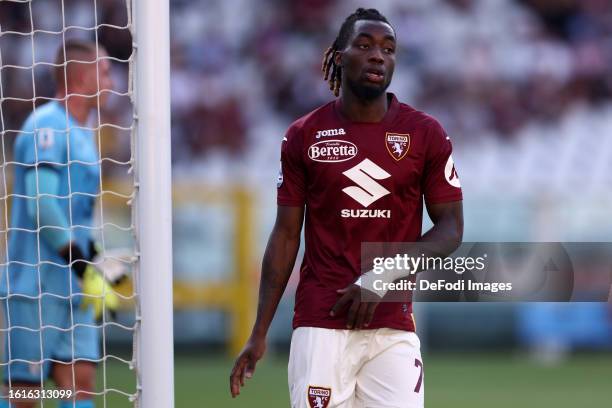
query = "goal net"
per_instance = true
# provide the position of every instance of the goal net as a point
(85, 203)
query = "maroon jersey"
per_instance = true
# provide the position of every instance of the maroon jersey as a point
(360, 182)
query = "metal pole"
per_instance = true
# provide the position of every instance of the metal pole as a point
(154, 204)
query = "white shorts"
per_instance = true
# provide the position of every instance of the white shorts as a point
(379, 368)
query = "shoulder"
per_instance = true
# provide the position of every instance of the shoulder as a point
(424, 124)
(46, 116)
(312, 121)
(47, 122)
(420, 119)
(49, 115)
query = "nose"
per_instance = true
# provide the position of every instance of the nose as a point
(376, 56)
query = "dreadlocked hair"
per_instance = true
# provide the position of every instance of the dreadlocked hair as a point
(332, 73)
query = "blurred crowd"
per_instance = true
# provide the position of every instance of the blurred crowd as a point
(534, 75)
(483, 67)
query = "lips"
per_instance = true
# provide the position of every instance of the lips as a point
(375, 75)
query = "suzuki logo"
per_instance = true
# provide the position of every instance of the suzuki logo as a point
(364, 175)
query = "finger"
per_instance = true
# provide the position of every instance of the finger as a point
(234, 387)
(235, 377)
(234, 384)
(340, 305)
(250, 368)
(239, 372)
(343, 290)
(370, 313)
(361, 314)
(352, 314)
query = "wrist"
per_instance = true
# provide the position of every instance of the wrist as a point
(367, 282)
(71, 252)
(259, 334)
(74, 258)
(93, 249)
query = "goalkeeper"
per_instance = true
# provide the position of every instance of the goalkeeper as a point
(50, 319)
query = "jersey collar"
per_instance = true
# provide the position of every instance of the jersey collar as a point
(392, 111)
(71, 120)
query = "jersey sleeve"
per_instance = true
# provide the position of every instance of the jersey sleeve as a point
(291, 182)
(45, 144)
(441, 181)
(46, 211)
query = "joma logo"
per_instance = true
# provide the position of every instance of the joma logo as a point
(330, 132)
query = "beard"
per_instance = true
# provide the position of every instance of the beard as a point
(367, 92)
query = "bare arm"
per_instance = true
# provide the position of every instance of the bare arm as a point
(447, 231)
(278, 262)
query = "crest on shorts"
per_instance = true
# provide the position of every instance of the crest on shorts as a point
(318, 397)
(397, 145)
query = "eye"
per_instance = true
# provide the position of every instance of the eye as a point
(363, 46)
(389, 50)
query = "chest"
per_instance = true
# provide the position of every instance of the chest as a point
(369, 161)
(82, 146)
(83, 168)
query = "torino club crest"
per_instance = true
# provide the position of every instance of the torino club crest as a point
(318, 397)
(397, 145)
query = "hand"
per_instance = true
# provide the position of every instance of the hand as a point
(98, 293)
(244, 367)
(94, 273)
(360, 313)
(113, 264)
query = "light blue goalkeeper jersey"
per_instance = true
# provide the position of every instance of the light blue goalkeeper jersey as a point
(53, 139)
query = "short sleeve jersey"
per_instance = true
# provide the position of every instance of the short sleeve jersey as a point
(50, 138)
(360, 182)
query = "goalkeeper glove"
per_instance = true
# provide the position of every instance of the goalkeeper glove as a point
(114, 266)
(98, 294)
(95, 277)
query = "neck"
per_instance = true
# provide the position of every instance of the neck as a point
(77, 106)
(360, 110)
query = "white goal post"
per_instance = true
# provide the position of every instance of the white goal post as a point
(155, 353)
(29, 38)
